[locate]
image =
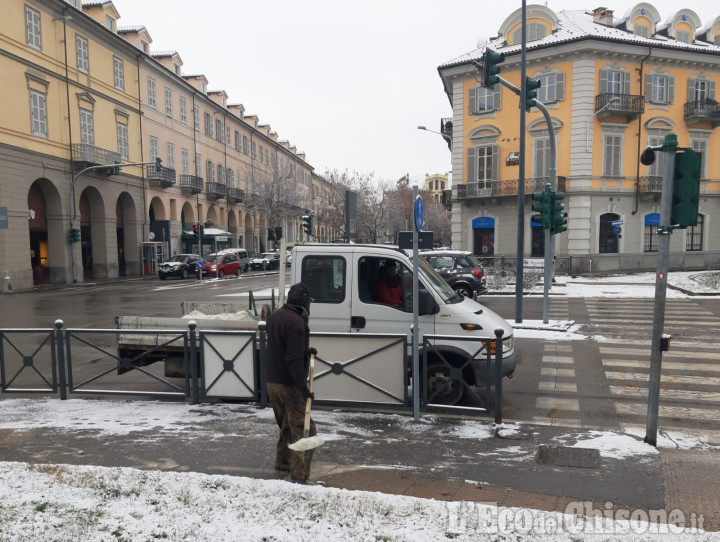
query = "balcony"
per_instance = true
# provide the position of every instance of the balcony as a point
(497, 189)
(653, 183)
(164, 178)
(215, 191)
(446, 129)
(84, 155)
(629, 105)
(190, 184)
(235, 195)
(704, 110)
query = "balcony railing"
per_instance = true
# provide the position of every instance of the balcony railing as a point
(494, 189)
(703, 110)
(90, 155)
(630, 105)
(216, 190)
(652, 183)
(235, 195)
(446, 129)
(190, 184)
(163, 178)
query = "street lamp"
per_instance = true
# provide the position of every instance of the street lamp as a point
(444, 136)
(614, 99)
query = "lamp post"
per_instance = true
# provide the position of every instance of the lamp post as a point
(614, 99)
(444, 136)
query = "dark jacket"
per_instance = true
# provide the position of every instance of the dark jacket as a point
(288, 344)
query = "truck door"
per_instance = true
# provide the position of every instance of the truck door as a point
(376, 311)
(328, 275)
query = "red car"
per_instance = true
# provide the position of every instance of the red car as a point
(219, 265)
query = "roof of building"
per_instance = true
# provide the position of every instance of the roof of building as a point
(133, 28)
(576, 25)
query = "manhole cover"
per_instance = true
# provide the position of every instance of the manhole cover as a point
(584, 458)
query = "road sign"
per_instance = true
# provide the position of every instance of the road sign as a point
(617, 223)
(419, 213)
(616, 230)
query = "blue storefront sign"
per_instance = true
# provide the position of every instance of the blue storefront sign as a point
(483, 222)
(653, 219)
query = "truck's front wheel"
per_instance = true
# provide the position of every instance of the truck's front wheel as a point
(441, 387)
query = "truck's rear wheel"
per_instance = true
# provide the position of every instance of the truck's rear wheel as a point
(441, 388)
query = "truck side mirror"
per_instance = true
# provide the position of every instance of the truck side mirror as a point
(427, 303)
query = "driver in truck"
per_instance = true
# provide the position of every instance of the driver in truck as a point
(388, 286)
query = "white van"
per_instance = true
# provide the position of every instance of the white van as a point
(343, 282)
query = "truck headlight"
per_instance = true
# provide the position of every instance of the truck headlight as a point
(509, 344)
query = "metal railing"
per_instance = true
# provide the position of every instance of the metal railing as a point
(191, 184)
(164, 178)
(217, 190)
(235, 195)
(90, 154)
(652, 183)
(702, 110)
(509, 187)
(627, 104)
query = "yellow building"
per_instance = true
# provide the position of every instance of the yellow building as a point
(613, 86)
(78, 92)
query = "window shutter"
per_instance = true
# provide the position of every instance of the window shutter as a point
(671, 89)
(495, 163)
(648, 87)
(497, 97)
(472, 165)
(472, 100)
(691, 90)
(603, 82)
(560, 86)
(711, 90)
(626, 83)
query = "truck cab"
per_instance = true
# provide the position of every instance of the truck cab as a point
(345, 281)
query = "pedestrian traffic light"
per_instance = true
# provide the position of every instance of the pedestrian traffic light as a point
(544, 207)
(558, 222)
(271, 234)
(491, 60)
(196, 230)
(278, 232)
(308, 222)
(158, 164)
(116, 169)
(531, 86)
(686, 188)
(74, 235)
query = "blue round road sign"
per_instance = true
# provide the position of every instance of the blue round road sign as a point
(419, 213)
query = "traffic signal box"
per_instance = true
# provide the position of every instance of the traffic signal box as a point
(531, 88)
(74, 235)
(308, 222)
(198, 230)
(544, 207)
(491, 60)
(558, 222)
(686, 188)
(158, 165)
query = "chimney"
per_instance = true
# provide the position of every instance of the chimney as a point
(603, 16)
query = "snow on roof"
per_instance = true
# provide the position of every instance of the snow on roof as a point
(575, 25)
(132, 28)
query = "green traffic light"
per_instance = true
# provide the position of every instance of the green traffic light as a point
(686, 188)
(531, 86)
(490, 60)
(158, 164)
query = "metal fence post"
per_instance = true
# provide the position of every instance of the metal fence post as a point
(499, 332)
(60, 342)
(192, 326)
(263, 364)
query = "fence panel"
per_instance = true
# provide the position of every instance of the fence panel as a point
(27, 361)
(229, 365)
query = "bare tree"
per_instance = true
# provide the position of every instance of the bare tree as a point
(274, 192)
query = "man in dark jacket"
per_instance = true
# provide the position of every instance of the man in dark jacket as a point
(288, 364)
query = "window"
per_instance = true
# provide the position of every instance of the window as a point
(228, 132)
(482, 100)
(109, 22)
(230, 178)
(683, 36)
(483, 165)
(152, 98)
(614, 82)
(208, 125)
(198, 165)
(659, 88)
(552, 87)
(171, 156)
(700, 90)
(119, 73)
(238, 142)
(245, 144)
(153, 148)
(253, 150)
(325, 276)
(168, 102)
(122, 140)
(210, 171)
(535, 31)
(701, 146)
(32, 28)
(652, 221)
(81, 47)
(608, 239)
(541, 157)
(612, 162)
(219, 130)
(145, 46)
(183, 110)
(220, 174)
(656, 169)
(694, 235)
(38, 113)
(87, 133)
(641, 30)
(267, 157)
(185, 157)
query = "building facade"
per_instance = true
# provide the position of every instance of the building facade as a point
(613, 86)
(80, 93)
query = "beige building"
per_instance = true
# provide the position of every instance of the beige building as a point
(78, 93)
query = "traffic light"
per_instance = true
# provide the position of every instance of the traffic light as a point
(544, 207)
(558, 222)
(491, 69)
(686, 188)
(308, 221)
(198, 230)
(74, 235)
(116, 169)
(271, 234)
(531, 86)
(278, 232)
(158, 164)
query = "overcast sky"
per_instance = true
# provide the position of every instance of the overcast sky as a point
(347, 82)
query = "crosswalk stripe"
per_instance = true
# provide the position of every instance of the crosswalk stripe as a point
(675, 343)
(565, 360)
(673, 353)
(550, 371)
(560, 403)
(668, 378)
(699, 367)
(569, 387)
(685, 395)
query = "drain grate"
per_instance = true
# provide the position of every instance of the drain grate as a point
(584, 458)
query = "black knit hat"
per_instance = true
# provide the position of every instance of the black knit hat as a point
(299, 294)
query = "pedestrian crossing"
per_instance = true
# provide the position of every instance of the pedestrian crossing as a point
(609, 389)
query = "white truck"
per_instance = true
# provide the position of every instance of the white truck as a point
(342, 279)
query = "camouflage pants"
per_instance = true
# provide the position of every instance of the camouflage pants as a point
(288, 406)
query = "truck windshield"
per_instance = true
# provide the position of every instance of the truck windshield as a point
(430, 277)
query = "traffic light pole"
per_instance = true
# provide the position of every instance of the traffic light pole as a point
(663, 255)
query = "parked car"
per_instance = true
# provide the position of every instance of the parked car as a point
(242, 255)
(459, 269)
(266, 260)
(221, 264)
(180, 265)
